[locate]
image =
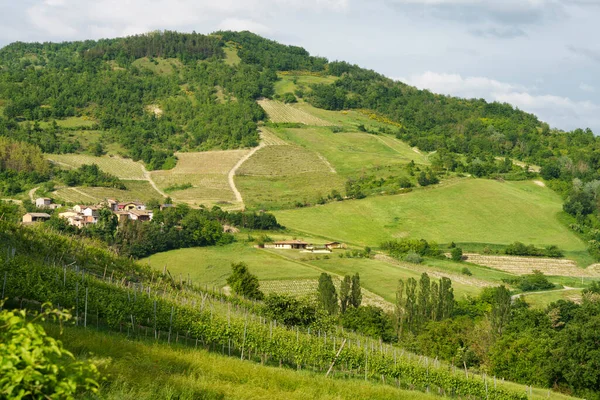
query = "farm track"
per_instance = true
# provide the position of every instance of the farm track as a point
(526, 294)
(231, 175)
(151, 182)
(32, 193)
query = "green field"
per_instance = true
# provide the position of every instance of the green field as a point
(160, 66)
(542, 299)
(136, 191)
(286, 83)
(143, 369)
(212, 265)
(465, 210)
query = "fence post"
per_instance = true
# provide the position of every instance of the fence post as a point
(85, 314)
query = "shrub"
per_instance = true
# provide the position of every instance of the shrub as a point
(466, 271)
(457, 254)
(36, 366)
(243, 283)
(413, 257)
(288, 98)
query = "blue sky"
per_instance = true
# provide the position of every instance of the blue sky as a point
(539, 55)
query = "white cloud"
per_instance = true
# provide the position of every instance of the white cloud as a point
(236, 24)
(587, 88)
(562, 112)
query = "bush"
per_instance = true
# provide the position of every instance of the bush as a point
(288, 98)
(243, 283)
(413, 257)
(466, 271)
(36, 366)
(457, 254)
(528, 283)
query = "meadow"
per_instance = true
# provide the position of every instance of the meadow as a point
(461, 210)
(291, 81)
(280, 112)
(160, 66)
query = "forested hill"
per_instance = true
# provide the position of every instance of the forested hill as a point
(207, 102)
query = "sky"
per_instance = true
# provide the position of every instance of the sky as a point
(541, 56)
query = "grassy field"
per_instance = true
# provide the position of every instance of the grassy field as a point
(231, 55)
(286, 83)
(212, 265)
(543, 299)
(283, 161)
(178, 372)
(280, 112)
(136, 190)
(161, 66)
(353, 152)
(205, 171)
(123, 168)
(465, 210)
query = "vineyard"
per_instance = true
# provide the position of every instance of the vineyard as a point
(205, 171)
(110, 292)
(122, 168)
(136, 191)
(283, 161)
(280, 112)
(526, 265)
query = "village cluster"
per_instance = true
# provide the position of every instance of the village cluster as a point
(82, 215)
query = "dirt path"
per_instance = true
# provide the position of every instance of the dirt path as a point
(333, 171)
(539, 183)
(32, 193)
(151, 182)
(236, 192)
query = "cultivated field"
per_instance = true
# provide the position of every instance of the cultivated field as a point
(526, 265)
(280, 112)
(205, 171)
(123, 168)
(136, 190)
(283, 161)
(462, 210)
(353, 152)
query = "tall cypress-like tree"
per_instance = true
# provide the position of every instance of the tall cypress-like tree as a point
(400, 309)
(327, 294)
(355, 293)
(500, 314)
(423, 299)
(411, 303)
(345, 293)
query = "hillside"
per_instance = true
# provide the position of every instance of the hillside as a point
(453, 244)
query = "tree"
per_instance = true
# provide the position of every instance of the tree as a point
(345, 293)
(243, 283)
(327, 294)
(355, 292)
(500, 313)
(457, 254)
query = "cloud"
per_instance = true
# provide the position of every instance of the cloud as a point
(558, 111)
(236, 24)
(587, 88)
(504, 19)
(591, 54)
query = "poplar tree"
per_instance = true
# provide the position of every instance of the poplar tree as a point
(345, 293)
(355, 292)
(327, 294)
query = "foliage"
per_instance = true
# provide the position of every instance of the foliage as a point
(355, 297)
(531, 282)
(370, 321)
(456, 254)
(400, 248)
(519, 249)
(292, 311)
(90, 175)
(243, 283)
(34, 365)
(327, 294)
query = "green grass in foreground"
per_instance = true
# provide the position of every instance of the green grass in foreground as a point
(145, 370)
(466, 210)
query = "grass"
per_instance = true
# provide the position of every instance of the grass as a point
(231, 55)
(69, 122)
(543, 299)
(161, 66)
(280, 112)
(205, 171)
(146, 370)
(212, 265)
(123, 168)
(463, 210)
(283, 161)
(136, 190)
(353, 152)
(286, 83)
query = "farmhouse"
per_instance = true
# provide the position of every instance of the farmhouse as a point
(140, 215)
(333, 245)
(43, 202)
(289, 244)
(30, 218)
(132, 205)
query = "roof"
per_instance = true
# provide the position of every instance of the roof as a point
(330, 243)
(139, 213)
(39, 215)
(44, 198)
(291, 242)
